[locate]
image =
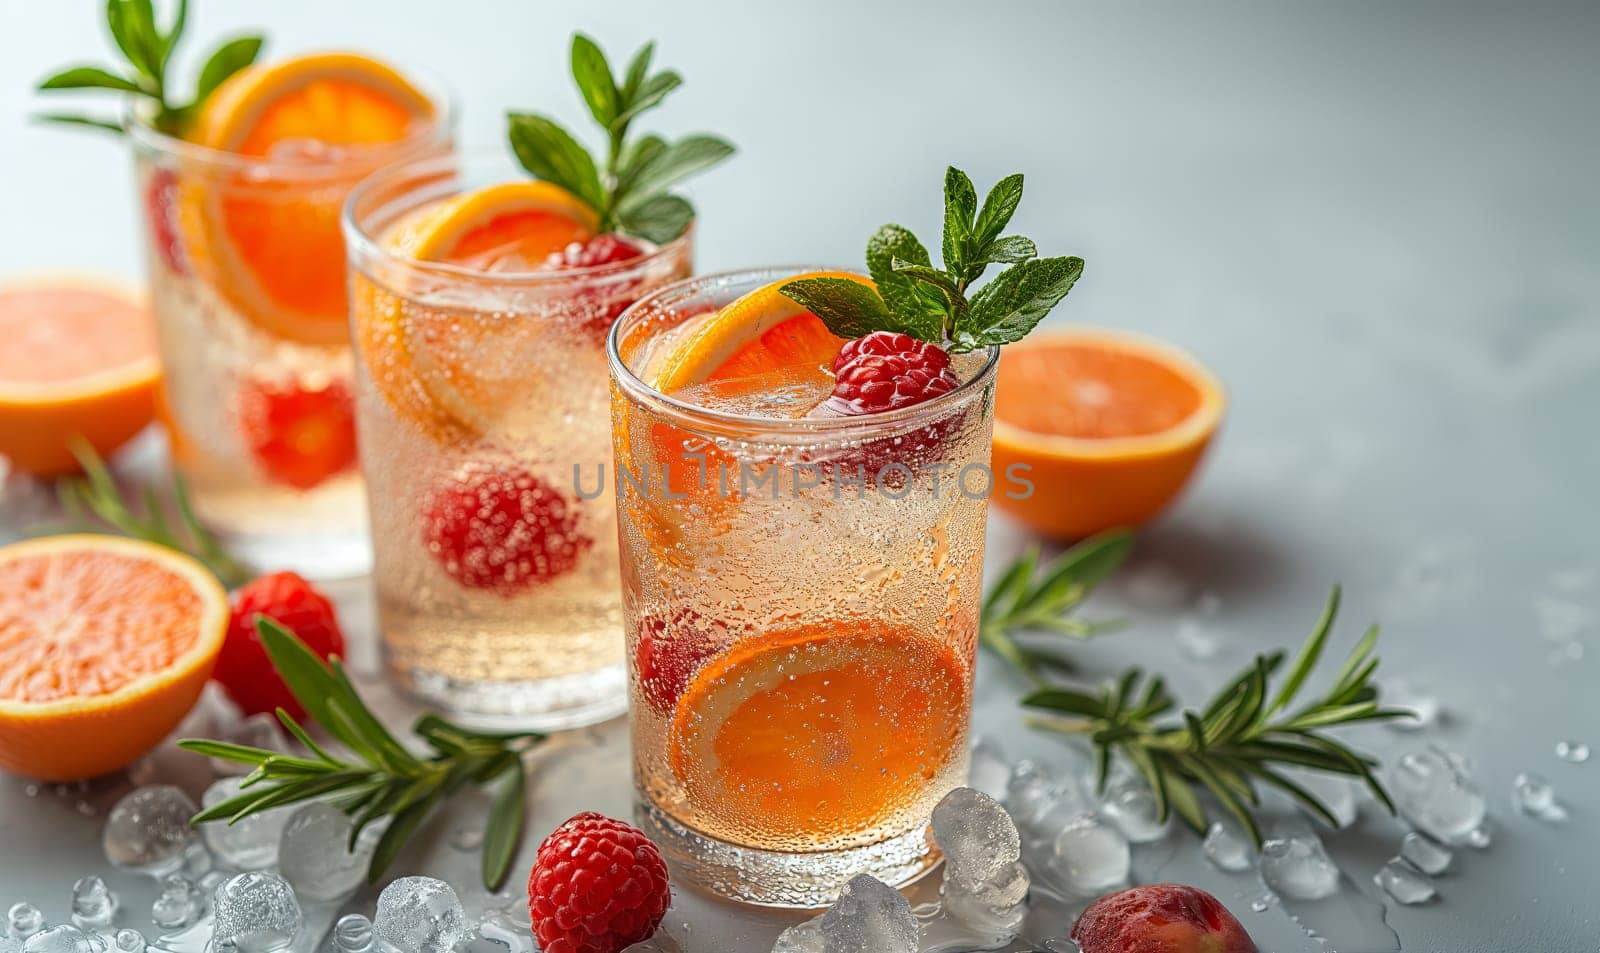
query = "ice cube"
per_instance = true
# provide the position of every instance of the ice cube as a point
(314, 856)
(1336, 792)
(985, 884)
(128, 940)
(1533, 795)
(148, 830)
(1426, 854)
(989, 771)
(353, 934)
(1405, 883)
(869, 915)
(1040, 803)
(257, 731)
(250, 843)
(23, 920)
(178, 904)
(801, 938)
(1434, 792)
(1227, 849)
(1089, 856)
(1130, 804)
(93, 904)
(65, 938)
(1295, 864)
(256, 912)
(420, 915)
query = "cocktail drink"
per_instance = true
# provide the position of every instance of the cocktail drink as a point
(802, 530)
(481, 300)
(246, 265)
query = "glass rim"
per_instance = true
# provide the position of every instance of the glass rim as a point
(440, 128)
(363, 244)
(892, 420)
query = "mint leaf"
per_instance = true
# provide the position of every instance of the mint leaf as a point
(635, 154)
(659, 218)
(670, 164)
(960, 205)
(89, 77)
(133, 27)
(229, 58)
(1008, 307)
(549, 152)
(593, 75)
(998, 207)
(1007, 250)
(650, 94)
(849, 308)
(933, 277)
(174, 33)
(912, 302)
(638, 69)
(66, 119)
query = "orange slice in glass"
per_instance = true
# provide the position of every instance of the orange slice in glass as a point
(79, 360)
(271, 244)
(1110, 426)
(453, 370)
(105, 644)
(811, 737)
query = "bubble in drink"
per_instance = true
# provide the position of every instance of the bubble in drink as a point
(1089, 856)
(1297, 865)
(313, 854)
(250, 843)
(420, 915)
(1434, 792)
(93, 904)
(1426, 854)
(178, 904)
(869, 915)
(148, 831)
(256, 912)
(1227, 849)
(1405, 883)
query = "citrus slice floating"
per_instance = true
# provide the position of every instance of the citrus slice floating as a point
(808, 737)
(79, 359)
(1112, 425)
(272, 245)
(105, 644)
(452, 371)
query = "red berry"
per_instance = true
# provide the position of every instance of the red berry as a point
(300, 436)
(597, 886)
(503, 530)
(670, 651)
(599, 250)
(160, 208)
(886, 371)
(243, 669)
(1160, 918)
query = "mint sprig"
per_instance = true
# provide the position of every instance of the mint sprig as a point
(631, 189)
(938, 304)
(147, 51)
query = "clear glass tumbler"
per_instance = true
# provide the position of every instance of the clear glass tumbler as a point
(483, 413)
(801, 596)
(247, 281)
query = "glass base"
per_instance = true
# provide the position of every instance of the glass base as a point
(778, 879)
(546, 704)
(316, 557)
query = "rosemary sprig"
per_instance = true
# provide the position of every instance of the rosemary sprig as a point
(1243, 736)
(96, 494)
(378, 777)
(1026, 600)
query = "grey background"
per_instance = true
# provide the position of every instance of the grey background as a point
(1375, 221)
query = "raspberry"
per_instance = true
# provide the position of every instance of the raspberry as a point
(599, 250)
(887, 371)
(160, 198)
(243, 669)
(597, 886)
(670, 651)
(300, 436)
(503, 530)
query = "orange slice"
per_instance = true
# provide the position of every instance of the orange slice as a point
(105, 644)
(1111, 424)
(272, 246)
(79, 360)
(817, 734)
(451, 370)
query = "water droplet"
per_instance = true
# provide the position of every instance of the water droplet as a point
(1405, 883)
(1532, 795)
(1575, 752)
